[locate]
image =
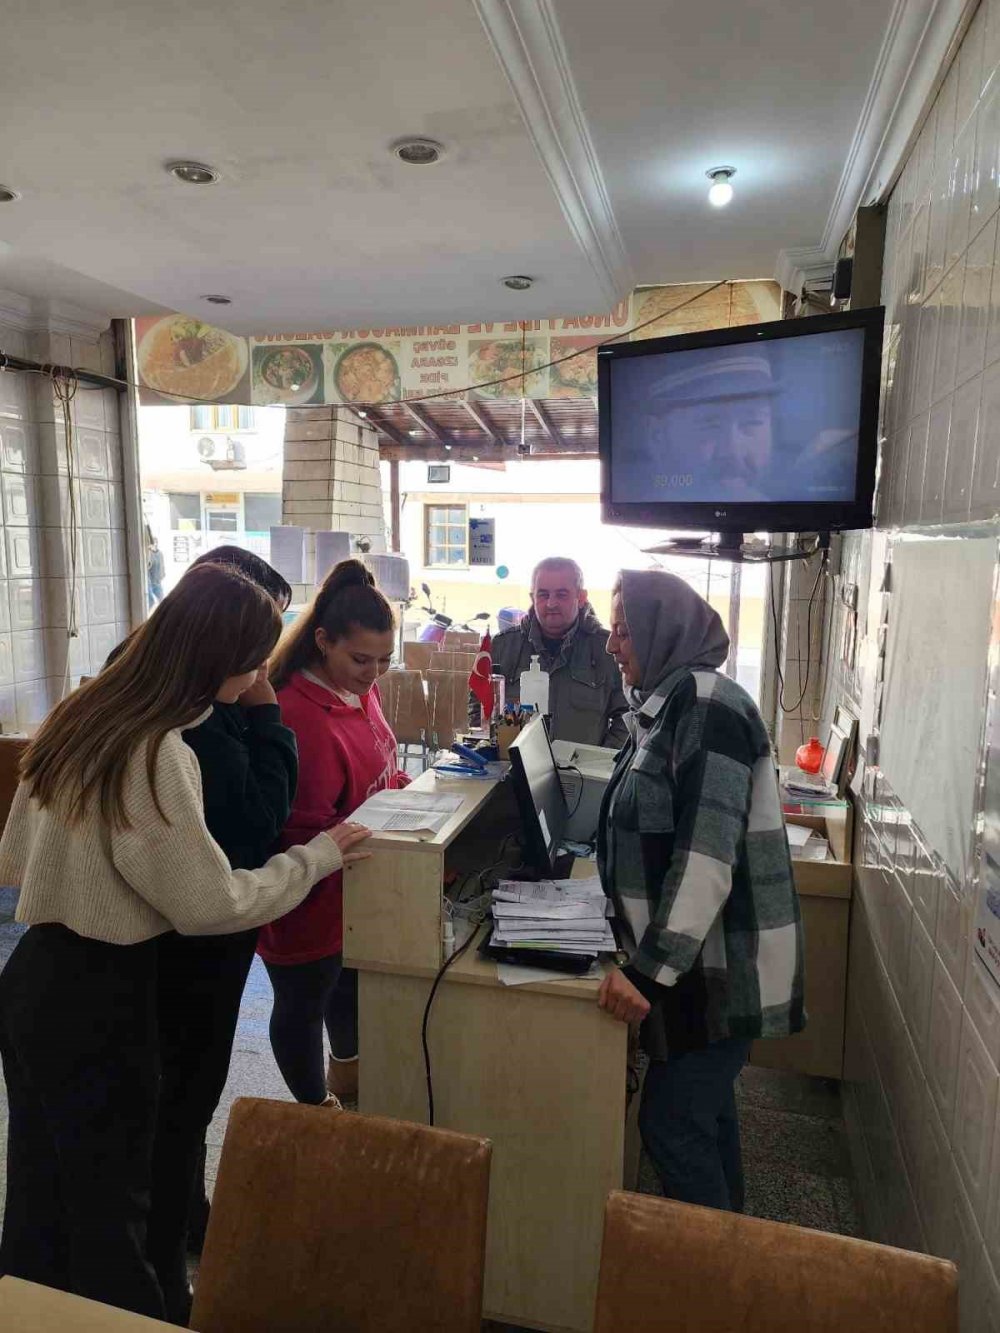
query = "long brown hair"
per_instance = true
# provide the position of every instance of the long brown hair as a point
(215, 624)
(347, 600)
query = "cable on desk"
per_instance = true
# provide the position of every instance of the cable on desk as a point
(427, 1013)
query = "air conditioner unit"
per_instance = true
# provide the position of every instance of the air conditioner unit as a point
(438, 472)
(206, 448)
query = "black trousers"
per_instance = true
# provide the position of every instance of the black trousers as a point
(115, 1057)
(200, 983)
(307, 998)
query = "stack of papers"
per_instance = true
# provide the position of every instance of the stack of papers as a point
(406, 812)
(564, 915)
(806, 844)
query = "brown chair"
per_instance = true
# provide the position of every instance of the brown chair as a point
(11, 750)
(448, 705)
(419, 656)
(670, 1266)
(327, 1220)
(404, 703)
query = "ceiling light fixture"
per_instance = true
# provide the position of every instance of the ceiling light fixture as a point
(193, 173)
(517, 282)
(413, 432)
(417, 152)
(362, 412)
(7, 195)
(721, 192)
(218, 300)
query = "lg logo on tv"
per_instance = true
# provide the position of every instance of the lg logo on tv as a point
(721, 513)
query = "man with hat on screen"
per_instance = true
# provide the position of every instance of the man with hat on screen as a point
(710, 428)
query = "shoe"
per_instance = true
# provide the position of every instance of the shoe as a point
(342, 1078)
(332, 1101)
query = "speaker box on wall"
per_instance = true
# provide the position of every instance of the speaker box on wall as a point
(842, 275)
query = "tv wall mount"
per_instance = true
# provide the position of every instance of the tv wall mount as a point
(740, 548)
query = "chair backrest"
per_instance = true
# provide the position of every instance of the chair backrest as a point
(404, 703)
(455, 640)
(327, 1220)
(11, 750)
(448, 705)
(671, 1266)
(419, 656)
(454, 661)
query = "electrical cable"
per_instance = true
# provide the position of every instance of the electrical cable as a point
(473, 931)
(782, 703)
(65, 389)
(572, 768)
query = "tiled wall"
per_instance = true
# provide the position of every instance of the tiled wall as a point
(922, 1090)
(35, 583)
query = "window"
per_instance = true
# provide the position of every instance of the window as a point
(261, 513)
(446, 535)
(218, 416)
(185, 511)
(222, 520)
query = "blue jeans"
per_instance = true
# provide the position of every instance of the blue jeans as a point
(689, 1126)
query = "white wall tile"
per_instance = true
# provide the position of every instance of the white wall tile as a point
(982, 1002)
(95, 505)
(27, 610)
(103, 638)
(23, 553)
(926, 353)
(14, 445)
(944, 1032)
(92, 452)
(6, 660)
(960, 193)
(950, 301)
(98, 552)
(919, 986)
(970, 69)
(88, 409)
(21, 502)
(101, 608)
(954, 926)
(986, 487)
(917, 450)
(987, 194)
(975, 1121)
(29, 654)
(976, 301)
(34, 700)
(900, 911)
(963, 438)
(935, 462)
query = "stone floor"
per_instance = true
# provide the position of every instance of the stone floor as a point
(795, 1151)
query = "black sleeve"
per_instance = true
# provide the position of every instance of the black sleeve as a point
(248, 782)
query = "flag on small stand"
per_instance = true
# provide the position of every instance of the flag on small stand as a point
(479, 678)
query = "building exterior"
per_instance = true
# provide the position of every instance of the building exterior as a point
(211, 475)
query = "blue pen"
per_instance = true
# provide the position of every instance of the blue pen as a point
(471, 755)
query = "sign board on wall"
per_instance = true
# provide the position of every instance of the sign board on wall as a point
(482, 541)
(181, 359)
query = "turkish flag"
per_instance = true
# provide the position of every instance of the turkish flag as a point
(479, 678)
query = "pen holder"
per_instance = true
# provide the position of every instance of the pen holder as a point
(506, 735)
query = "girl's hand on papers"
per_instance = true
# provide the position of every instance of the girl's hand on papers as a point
(347, 836)
(621, 999)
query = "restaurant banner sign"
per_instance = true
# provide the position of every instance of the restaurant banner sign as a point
(180, 359)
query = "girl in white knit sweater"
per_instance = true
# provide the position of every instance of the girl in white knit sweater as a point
(106, 841)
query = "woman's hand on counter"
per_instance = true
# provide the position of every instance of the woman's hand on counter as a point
(621, 999)
(347, 837)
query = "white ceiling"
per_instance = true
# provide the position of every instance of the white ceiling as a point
(578, 133)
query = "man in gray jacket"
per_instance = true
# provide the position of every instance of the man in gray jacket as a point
(586, 701)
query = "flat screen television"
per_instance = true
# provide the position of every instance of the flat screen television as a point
(768, 427)
(540, 798)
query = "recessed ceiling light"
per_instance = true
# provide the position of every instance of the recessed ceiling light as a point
(413, 432)
(7, 195)
(218, 300)
(721, 192)
(417, 152)
(475, 458)
(193, 173)
(362, 412)
(517, 282)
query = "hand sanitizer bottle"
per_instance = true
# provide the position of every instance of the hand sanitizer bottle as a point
(535, 687)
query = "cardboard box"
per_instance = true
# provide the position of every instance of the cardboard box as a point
(29, 1308)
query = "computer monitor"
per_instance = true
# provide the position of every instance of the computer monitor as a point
(540, 797)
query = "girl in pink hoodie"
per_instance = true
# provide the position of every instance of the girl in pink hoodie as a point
(324, 671)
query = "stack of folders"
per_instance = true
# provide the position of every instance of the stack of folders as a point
(557, 915)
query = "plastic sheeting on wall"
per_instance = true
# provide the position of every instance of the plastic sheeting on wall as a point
(935, 686)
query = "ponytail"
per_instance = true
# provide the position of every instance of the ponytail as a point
(348, 600)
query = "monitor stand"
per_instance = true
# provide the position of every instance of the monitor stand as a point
(734, 547)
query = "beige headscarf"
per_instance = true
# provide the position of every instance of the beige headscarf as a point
(671, 625)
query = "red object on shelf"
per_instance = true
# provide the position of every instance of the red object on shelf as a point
(810, 757)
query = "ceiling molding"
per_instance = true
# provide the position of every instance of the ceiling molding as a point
(801, 267)
(920, 41)
(527, 43)
(34, 316)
